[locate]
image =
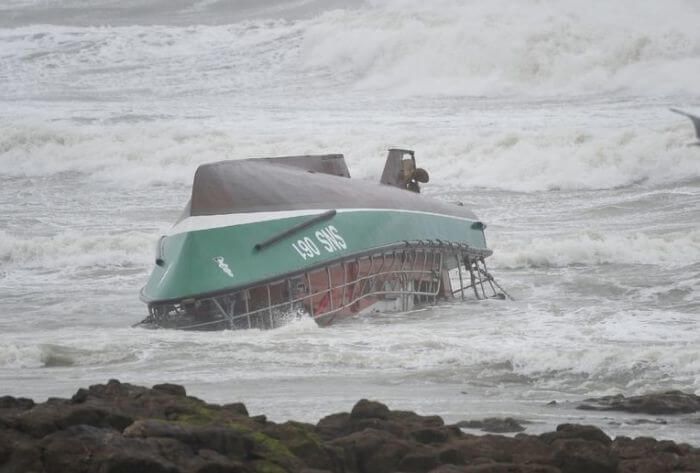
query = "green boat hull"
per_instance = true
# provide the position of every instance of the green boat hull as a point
(215, 254)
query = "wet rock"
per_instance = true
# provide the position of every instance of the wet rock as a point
(18, 453)
(212, 462)
(119, 427)
(419, 462)
(377, 416)
(302, 441)
(333, 426)
(670, 402)
(497, 468)
(432, 435)
(574, 431)
(80, 396)
(57, 415)
(174, 389)
(21, 403)
(226, 441)
(644, 454)
(495, 448)
(365, 409)
(495, 425)
(372, 450)
(583, 456)
(237, 408)
(86, 448)
(646, 421)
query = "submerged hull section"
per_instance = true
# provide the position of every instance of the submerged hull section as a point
(392, 278)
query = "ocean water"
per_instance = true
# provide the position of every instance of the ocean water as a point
(550, 120)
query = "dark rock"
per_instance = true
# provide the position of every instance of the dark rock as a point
(333, 426)
(237, 408)
(224, 440)
(646, 421)
(377, 416)
(56, 415)
(129, 463)
(447, 469)
(450, 455)
(119, 427)
(408, 417)
(213, 462)
(419, 462)
(689, 462)
(372, 450)
(510, 468)
(645, 454)
(86, 448)
(156, 428)
(525, 449)
(657, 464)
(80, 396)
(439, 435)
(365, 409)
(21, 403)
(582, 456)
(493, 424)
(302, 441)
(573, 431)
(18, 453)
(497, 468)
(174, 389)
(398, 429)
(670, 402)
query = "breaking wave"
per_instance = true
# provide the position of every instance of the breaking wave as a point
(566, 159)
(73, 249)
(593, 248)
(167, 154)
(475, 48)
(404, 48)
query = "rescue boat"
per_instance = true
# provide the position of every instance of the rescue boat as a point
(263, 241)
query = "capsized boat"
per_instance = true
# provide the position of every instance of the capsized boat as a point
(266, 240)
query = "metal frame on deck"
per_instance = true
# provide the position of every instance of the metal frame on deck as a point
(417, 279)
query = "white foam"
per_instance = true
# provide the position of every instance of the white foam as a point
(385, 48)
(73, 249)
(563, 158)
(596, 247)
(475, 48)
(528, 160)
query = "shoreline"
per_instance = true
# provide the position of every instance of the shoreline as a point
(123, 427)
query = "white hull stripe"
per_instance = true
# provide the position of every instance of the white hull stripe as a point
(208, 222)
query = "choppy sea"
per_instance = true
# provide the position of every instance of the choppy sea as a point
(549, 118)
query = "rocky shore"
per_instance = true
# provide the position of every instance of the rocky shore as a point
(122, 428)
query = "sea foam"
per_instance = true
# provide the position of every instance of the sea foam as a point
(452, 47)
(596, 248)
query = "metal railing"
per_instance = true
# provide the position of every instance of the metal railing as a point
(413, 272)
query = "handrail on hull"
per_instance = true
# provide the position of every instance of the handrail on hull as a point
(414, 273)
